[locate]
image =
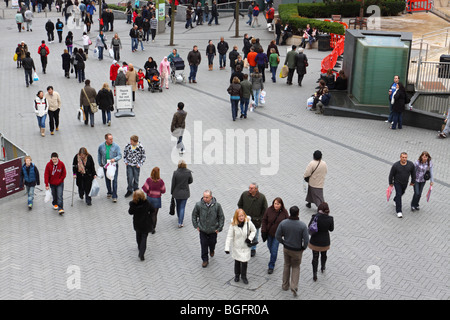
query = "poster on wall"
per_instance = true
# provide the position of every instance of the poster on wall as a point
(10, 177)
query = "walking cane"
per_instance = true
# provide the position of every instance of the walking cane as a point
(73, 187)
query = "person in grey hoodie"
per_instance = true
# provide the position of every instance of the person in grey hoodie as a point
(293, 235)
(208, 219)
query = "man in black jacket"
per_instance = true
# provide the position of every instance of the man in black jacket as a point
(247, 45)
(222, 47)
(50, 28)
(194, 58)
(398, 178)
(233, 55)
(28, 67)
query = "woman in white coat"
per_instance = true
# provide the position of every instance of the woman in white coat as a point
(241, 232)
(41, 110)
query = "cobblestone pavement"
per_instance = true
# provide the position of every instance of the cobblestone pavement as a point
(374, 255)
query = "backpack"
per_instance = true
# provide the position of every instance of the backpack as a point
(43, 52)
(312, 229)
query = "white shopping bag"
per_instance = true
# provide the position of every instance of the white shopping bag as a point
(48, 196)
(35, 77)
(96, 52)
(110, 170)
(95, 188)
(309, 103)
(100, 173)
(111, 53)
(262, 97)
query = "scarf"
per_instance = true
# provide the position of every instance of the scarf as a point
(81, 165)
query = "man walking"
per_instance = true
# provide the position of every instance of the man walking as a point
(222, 48)
(178, 125)
(194, 58)
(301, 62)
(398, 178)
(134, 34)
(208, 219)
(54, 175)
(250, 13)
(214, 14)
(254, 204)
(109, 153)
(134, 158)
(54, 104)
(43, 52)
(28, 17)
(28, 67)
(50, 28)
(392, 90)
(290, 62)
(59, 29)
(293, 235)
(87, 96)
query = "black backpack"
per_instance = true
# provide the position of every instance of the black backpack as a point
(43, 52)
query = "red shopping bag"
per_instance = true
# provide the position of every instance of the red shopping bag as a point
(429, 193)
(389, 192)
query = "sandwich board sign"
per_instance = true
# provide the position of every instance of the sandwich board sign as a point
(124, 101)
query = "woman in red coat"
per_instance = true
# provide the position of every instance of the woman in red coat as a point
(113, 72)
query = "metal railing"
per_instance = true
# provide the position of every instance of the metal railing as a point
(437, 39)
(431, 77)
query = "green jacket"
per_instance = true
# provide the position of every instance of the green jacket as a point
(254, 207)
(246, 89)
(290, 59)
(208, 218)
(273, 60)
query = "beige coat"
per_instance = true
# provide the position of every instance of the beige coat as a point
(317, 179)
(132, 79)
(54, 101)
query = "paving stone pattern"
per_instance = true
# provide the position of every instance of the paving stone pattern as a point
(39, 249)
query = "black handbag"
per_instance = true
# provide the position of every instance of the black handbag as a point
(252, 242)
(172, 207)
(427, 175)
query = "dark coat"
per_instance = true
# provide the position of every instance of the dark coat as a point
(399, 101)
(233, 55)
(84, 180)
(80, 58)
(105, 100)
(272, 219)
(141, 212)
(65, 61)
(300, 61)
(181, 180)
(235, 90)
(325, 224)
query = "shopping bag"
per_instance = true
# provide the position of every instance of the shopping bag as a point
(15, 57)
(262, 97)
(429, 193)
(110, 170)
(389, 192)
(111, 53)
(284, 71)
(48, 196)
(172, 206)
(96, 52)
(246, 65)
(100, 173)
(80, 115)
(309, 103)
(95, 188)
(35, 77)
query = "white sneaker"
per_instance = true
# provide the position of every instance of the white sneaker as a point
(399, 215)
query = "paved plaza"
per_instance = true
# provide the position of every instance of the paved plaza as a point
(373, 256)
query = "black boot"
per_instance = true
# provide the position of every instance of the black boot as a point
(323, 260)
(244, 272)
(315, 264)
(237, 270)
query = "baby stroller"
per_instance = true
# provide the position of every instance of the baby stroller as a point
(177, 64)
(153, 80)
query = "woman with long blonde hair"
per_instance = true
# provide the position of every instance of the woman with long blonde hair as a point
(241, 232)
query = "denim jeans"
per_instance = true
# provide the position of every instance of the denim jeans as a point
(272, 244)
(244, 106)
(399, 191)
(30, 194)
(193, 73)
(112, 191)
(249, 22)
(222, 60)
(181, 205)
(273, 69)
(28, 76)
(210, 58)
(134, 44)
(81, 76)
(418, 188)
(215, 18)
(41, 121)
(188, 23)
(205, 17)
(397, 118)
(234, 107)
(57, 193)
(391, 114)
(133, 177)
(100, 53)
(256, 94)
(106, 116)
(89, 115)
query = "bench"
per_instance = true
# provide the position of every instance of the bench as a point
(297, 40)
(358, 21)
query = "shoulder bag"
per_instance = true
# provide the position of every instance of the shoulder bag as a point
(307, 178)
(93, 105)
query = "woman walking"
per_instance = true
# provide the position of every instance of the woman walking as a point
(181, 179)
(271, 219)
(241, 232)
(398, 106)
(319, 242)
(164, 71)
(235, 92)
(132, 79)
(69, 41)
(80, 58)
(84, 172)
(315, 176)
(116, 45)
(257, 85)
(105, 101)
(154, 187)
(274, 60)
(261, 61)
(66, 63)
(41, 111)
(424, 172)
(86, 43)
(141, 210)
(210, 53)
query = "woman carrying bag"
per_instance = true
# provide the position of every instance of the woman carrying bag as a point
(105, 101)
(240, 234)
(84, 172)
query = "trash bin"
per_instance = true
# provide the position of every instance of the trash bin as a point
(444, 69)
(323, 42)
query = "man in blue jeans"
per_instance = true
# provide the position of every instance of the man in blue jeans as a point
(194, 58)
(133, 157)
(222, 48)
(109, 153)
(398, 178)
(134, 34)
